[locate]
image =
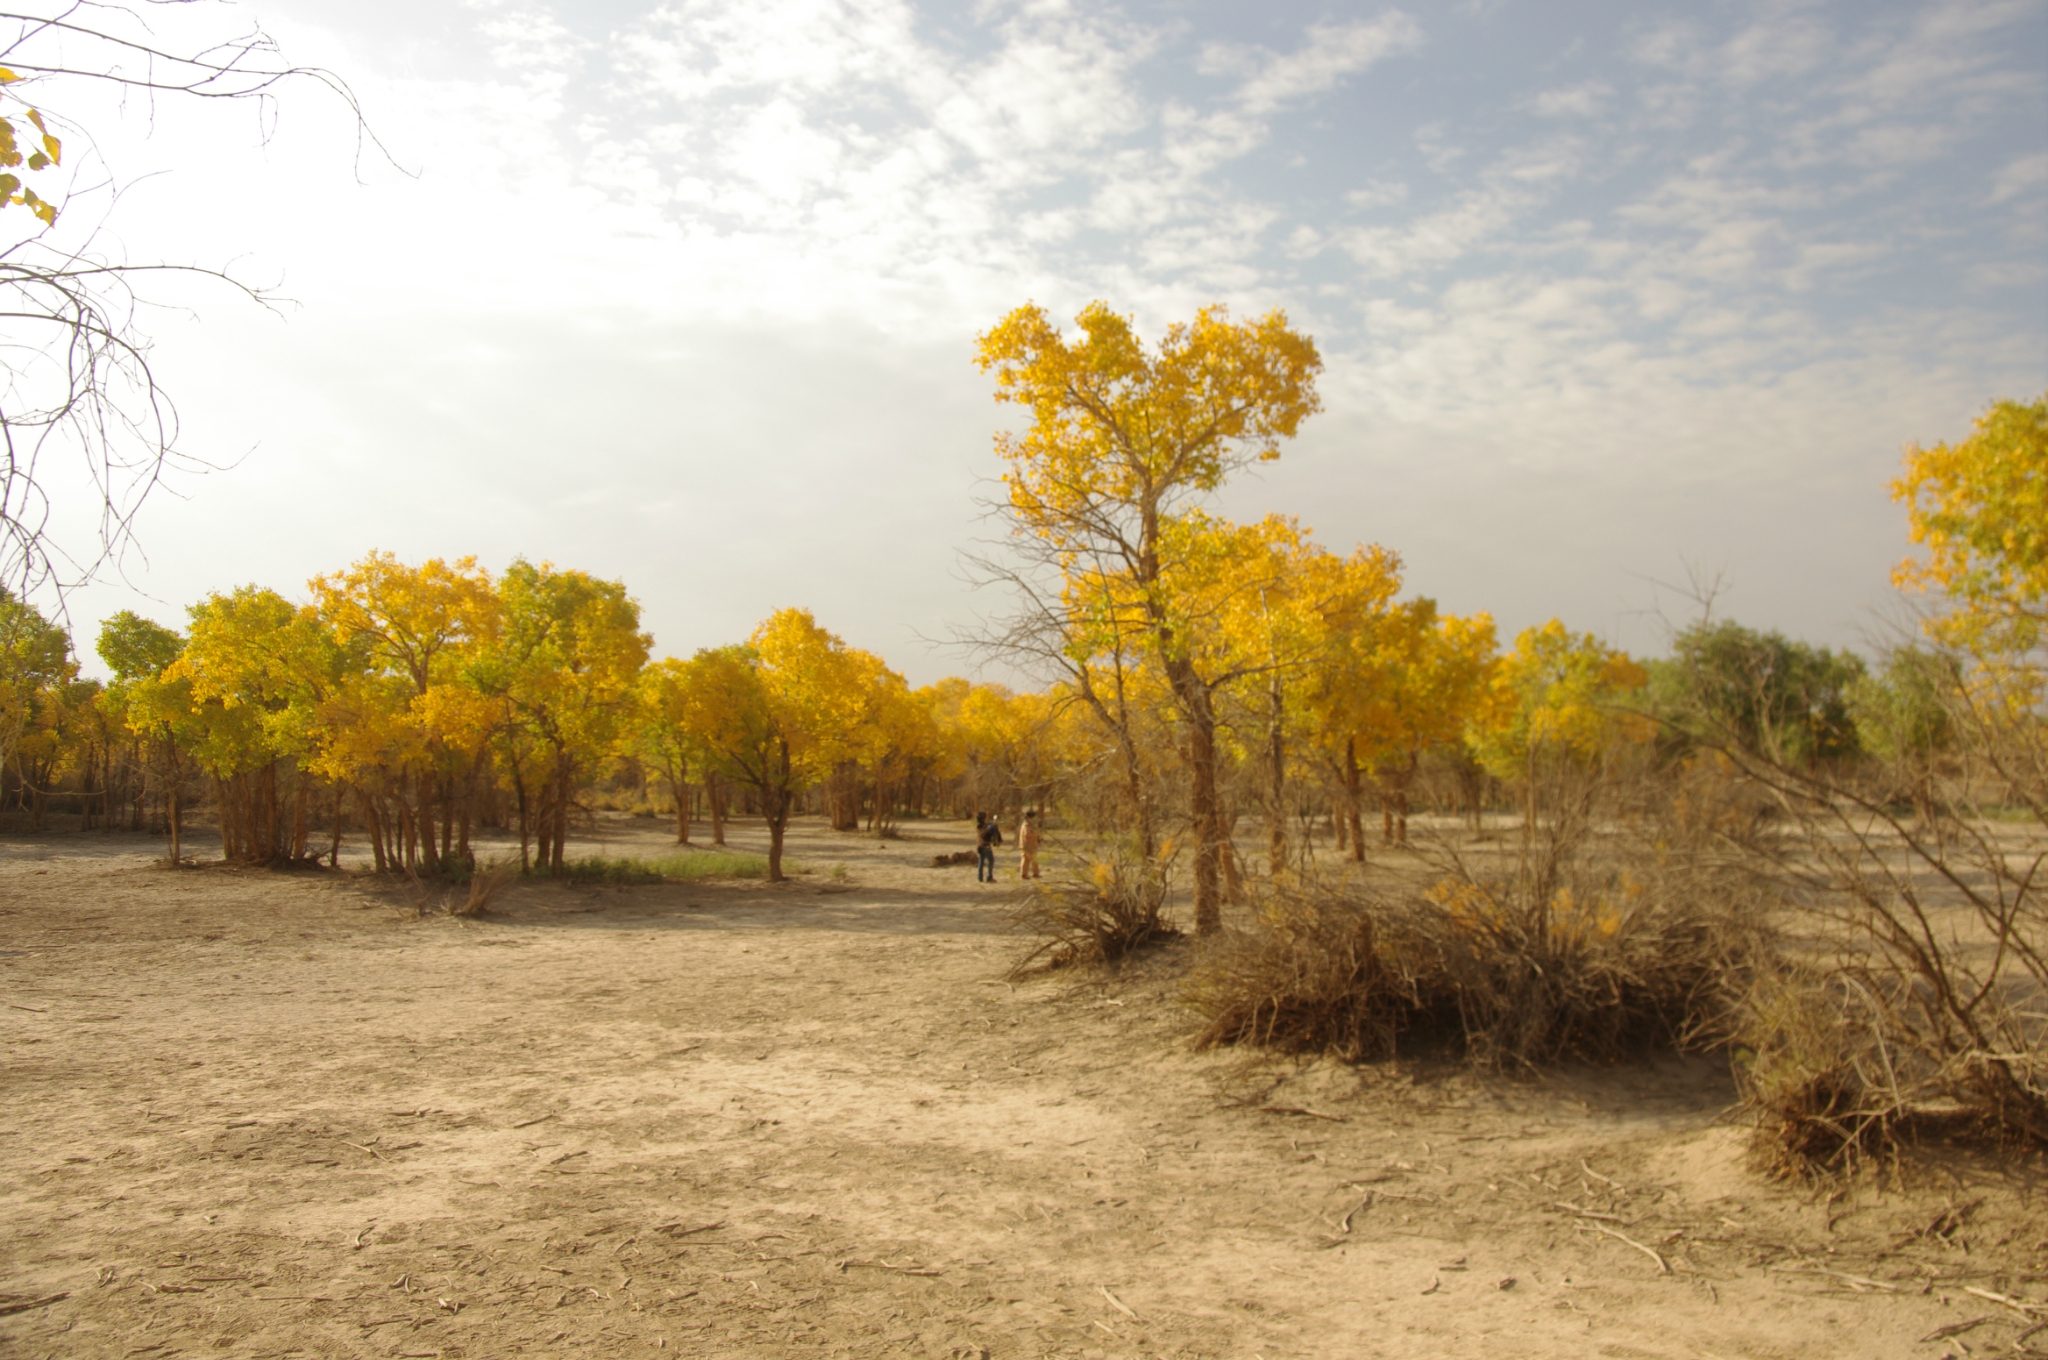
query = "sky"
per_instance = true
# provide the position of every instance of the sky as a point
(1612, 297)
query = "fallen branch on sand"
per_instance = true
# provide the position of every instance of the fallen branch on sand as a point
(1117, 1304)
(885, 1265)
(22, 1305)
(1663, 1266)
(1300, 1110)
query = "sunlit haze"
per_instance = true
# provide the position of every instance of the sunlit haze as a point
(686, 293)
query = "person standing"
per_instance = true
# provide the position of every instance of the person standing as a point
(987, 836)
(1027, 846)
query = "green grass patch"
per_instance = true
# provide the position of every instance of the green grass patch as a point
(672, 868)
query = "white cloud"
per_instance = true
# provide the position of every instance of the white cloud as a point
(1573, 101)
(1329, 53)
(690, 290)
(2020, 176)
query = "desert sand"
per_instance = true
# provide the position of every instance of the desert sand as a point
(267, 1114)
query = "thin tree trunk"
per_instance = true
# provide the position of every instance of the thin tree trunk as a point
(715, 789)
(525, 820)
(1352, 797)
(1276, 754)
(561, 827)
(1204, 807)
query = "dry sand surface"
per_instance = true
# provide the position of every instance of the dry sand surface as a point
(266, 1114)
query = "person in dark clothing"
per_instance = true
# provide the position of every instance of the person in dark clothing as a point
(987, 836)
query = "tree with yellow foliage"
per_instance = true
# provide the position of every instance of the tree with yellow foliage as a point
(1558, 699)
(255, 670)
(779, 714)
(1399, 683)
(1122, 438)
(409, 732)
(1980, 509)
(562, 674)
(137, 651)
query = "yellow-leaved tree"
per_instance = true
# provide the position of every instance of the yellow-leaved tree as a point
(562, 676)
(780, 713)
(1398, 683)
(1980, 509)
(1122, 438)
(1558, 700)
(255, 671)
(407, 729)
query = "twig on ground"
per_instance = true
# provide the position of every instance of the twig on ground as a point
(363, 1148)
(1958, 1328)
(567, 1155)
(39, 1010)
(1117, 1303)
(2020, 1306)
(1569, 1207)
(884, 1265)
(676, 1229)
(24, 1305)
(1301, 1110)
(1598, 1177)
(1857, 1282)
(1663, 1266)
(529, 1123)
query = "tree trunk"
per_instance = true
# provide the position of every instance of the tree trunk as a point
(177, 826)
(1204, 807)
(777, 822)
(334, 846)
(563, 775)
(1353, 795)
(223, 801)
(373, 825)
(1276, 755)
(423, 797)
(714, 788)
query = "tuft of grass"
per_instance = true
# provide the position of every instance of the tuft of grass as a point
(704, 864)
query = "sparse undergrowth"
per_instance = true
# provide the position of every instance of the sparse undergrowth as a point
(687, 868)
(1614, 929)
(1099, 913)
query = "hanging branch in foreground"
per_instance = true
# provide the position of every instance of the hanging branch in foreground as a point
(82, 416)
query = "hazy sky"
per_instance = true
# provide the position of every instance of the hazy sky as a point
(685, 293)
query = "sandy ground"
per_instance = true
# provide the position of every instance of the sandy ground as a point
(263, 1114)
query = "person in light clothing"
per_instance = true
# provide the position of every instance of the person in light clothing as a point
(1027, 846)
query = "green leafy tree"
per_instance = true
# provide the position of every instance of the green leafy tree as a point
(1762, 690)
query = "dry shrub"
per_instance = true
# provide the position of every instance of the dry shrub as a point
(1918, 994)
(1845, 1062)
(1327, 972)
(489, 880)
(1614, 927)
(1099, 913)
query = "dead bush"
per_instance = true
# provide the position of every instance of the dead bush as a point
(485, 884)
(1919, 992)
(1098, 912)
(1328, 972)
(1616, 926)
